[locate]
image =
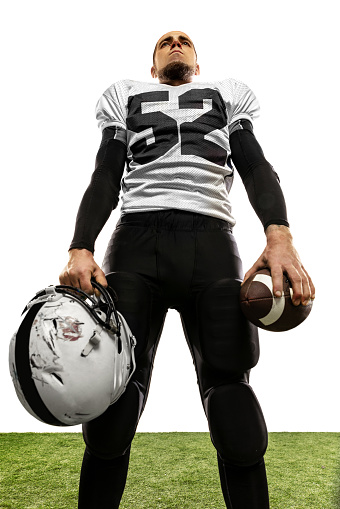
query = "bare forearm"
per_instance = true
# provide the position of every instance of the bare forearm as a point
(280, 256)
(278, 232)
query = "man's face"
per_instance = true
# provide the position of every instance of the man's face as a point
(174, 47)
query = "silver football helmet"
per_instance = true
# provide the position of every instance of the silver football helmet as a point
(72, 356)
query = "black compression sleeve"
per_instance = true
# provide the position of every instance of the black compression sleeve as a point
(259, 178)
(102, 195)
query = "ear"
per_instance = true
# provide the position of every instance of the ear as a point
(197, 72)
(153, 72)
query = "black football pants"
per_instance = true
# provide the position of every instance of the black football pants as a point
(189, 262)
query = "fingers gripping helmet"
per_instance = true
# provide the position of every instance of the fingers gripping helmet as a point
(72, 356)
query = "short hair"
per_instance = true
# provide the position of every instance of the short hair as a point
(154, 52)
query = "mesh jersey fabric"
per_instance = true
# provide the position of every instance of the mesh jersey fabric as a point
(177, 139)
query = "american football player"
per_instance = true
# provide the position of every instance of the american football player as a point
(171, 147)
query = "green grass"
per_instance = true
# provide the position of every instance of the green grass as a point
(167, 471)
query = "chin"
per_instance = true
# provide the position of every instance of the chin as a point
(176, 70)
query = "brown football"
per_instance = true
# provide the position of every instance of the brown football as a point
(263, 309)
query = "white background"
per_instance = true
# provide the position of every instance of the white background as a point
(58, 58)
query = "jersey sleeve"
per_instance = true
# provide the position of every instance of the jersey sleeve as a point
(243, 104)
(109, 109)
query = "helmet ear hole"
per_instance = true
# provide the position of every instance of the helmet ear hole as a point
(57, 377)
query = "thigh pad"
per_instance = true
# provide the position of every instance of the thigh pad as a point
(134, 302)
(228, 341)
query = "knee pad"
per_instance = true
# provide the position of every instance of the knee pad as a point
(110, 435)
(237, 426)
(228, 341)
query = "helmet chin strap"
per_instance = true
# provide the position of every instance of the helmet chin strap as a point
(93, 341)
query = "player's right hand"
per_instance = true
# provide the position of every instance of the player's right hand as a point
(79, 270)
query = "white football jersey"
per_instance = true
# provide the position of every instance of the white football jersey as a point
(177, 142)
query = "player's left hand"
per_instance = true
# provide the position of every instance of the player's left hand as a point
(280, 256)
